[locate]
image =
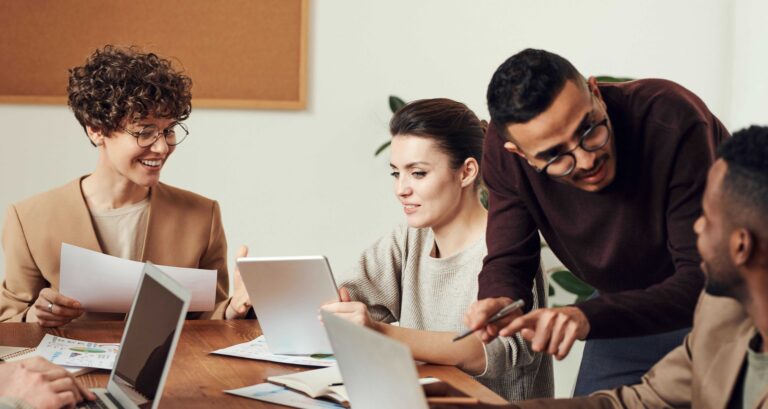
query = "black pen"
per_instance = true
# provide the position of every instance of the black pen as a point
(499, 315)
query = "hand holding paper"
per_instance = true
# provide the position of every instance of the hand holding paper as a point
(103, 283)
(51, 309)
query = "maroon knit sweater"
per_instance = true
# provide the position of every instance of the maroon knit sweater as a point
(633, 240)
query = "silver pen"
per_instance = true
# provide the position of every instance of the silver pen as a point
(495, 317)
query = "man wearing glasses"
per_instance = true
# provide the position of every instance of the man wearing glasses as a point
(131, 105)
(612, 176)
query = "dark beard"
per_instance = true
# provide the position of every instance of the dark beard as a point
(719, 289)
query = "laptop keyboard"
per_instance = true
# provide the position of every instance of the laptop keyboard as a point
(92, 404)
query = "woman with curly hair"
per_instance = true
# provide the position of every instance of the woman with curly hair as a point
(132, 106)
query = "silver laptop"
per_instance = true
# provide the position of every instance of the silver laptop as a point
(286, 294)
(378, 372)
(149, 340)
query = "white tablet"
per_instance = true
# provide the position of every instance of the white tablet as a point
(286, 293)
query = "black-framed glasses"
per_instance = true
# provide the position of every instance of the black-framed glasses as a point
(174, 134)
(594, 138)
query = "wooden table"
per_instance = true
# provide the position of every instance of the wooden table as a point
(197, 378)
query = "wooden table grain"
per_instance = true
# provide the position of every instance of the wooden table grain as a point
(198, 378)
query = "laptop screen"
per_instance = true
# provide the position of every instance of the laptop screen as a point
(149, 334)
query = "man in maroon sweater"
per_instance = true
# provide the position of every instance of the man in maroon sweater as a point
(612, 176)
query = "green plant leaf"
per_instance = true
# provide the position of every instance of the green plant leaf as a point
(395, 103)
(381, 149)
(571, 283)
(551, 291)
(608, 78)
(484, 197)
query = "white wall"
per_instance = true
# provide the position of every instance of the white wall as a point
(306, 182)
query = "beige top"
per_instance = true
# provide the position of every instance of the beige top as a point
(121, 232)
(399, 280)
(183, 229)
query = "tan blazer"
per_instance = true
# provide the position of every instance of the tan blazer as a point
(701, 373)
(184, 229)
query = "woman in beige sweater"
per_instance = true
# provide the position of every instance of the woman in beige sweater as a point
(424, 275)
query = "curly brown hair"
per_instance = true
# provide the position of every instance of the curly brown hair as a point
(119, 84)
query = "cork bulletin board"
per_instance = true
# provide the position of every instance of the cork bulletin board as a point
(239, 53)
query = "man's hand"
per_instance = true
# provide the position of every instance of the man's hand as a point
(479, 313)
(51, 309)
(550, 330)
(353, 311)
(240, 302)
(41, 384)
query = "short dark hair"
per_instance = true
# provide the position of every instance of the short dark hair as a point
(745, 186)
(452, 125)
(525, 86)
(116, 84)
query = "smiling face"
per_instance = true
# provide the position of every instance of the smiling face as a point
(429, 190)
(558, 130)
(712, 240)
(121, 158)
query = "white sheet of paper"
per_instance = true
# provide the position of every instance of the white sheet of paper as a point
(258, 349)
(268, 392)
(103, 283)
(72, 352)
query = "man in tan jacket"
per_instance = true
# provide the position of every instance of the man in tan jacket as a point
(723, 362)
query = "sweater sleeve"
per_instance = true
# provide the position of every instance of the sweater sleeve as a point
(376, 279)
(23, 280)
(514, 355)
(512, 236)
(668, 305)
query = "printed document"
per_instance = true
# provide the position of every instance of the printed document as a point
(257, 349)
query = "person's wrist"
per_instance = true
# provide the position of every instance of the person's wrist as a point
(375, 325)
(583, 321)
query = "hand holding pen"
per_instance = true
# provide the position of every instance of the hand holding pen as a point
(502, 313)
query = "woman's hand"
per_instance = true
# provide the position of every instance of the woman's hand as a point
(354, 311)
(51, 309)
(240, 303)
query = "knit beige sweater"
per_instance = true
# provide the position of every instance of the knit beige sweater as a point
(400, 281)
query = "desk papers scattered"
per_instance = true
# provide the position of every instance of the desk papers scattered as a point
(257, 349)
(103, 283)
(77, 357)
(268, 392)
(71, 352)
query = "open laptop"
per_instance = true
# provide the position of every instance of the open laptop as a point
(149, 340)
(378, 372)
(286, 294)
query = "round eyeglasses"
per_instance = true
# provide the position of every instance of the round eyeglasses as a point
(174, 134)
(594, 138)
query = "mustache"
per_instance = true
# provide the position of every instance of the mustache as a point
(598, 163)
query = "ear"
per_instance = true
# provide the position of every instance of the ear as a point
(469, 172)
(741, 246)
(511, 147)
(592, 86)
(96, 137)
(595, 90)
